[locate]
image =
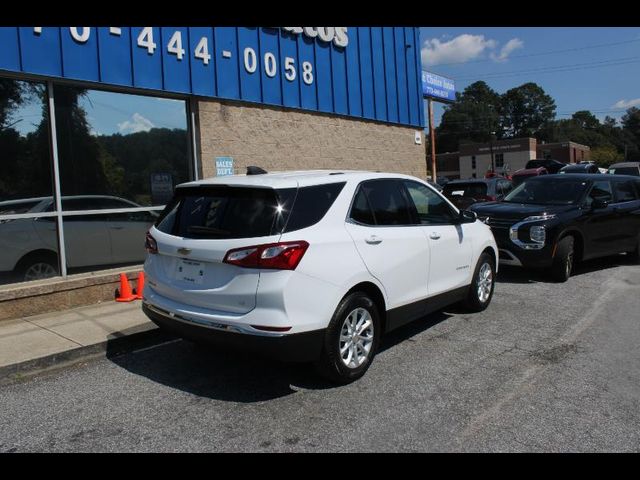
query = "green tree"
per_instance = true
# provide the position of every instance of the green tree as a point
(605, 156)
(525, 110)
(472, 118)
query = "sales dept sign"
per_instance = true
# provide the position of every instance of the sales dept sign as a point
(224, 166)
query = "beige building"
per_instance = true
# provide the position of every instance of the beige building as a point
(508, 156)
(278, 138)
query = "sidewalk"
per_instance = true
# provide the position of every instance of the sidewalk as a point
(49, 340)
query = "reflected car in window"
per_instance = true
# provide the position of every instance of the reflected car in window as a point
(29, 246)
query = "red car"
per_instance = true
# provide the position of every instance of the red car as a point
(521, 175)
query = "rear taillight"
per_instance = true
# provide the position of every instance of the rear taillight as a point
(150, 244)
(277, 256)
(491, 198)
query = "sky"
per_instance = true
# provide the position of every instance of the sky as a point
(581, 68)
(110, 113)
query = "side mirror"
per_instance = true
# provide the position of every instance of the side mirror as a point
(467, 216)
(598, 204)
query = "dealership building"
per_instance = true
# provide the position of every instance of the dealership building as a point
(506, 156)
(99, 124)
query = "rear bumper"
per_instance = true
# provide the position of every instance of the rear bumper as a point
(296, 347)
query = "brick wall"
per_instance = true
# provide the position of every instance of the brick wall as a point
(276, 138)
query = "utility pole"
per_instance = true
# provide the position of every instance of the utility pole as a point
(432, 141)
(493, 165)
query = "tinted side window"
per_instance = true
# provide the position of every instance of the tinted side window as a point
(361, 209)
(624, 191)
(430, 207)
(311, 204)
(387, 202)
(601, 191)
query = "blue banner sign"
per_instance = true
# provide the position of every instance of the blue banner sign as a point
(367, 72)
(224, 166)
(438, 87)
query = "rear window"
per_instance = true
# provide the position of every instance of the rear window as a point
(475, 189)
(534, 164)
(14, 208)
(221, 212)
(624, 171)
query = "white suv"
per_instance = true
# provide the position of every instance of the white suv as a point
(313, 265)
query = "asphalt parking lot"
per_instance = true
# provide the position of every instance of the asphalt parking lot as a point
(547, 367)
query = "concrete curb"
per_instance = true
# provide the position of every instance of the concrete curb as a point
(134, 338)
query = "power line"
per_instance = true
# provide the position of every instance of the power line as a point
(553, 52)
(556, 68)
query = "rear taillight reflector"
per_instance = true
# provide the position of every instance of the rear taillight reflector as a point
(271, 329)
(276, 256)
(150, 244)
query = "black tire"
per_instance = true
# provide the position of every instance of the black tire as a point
(44, 263)
(331, 365)
(474, 302)
(564, 260)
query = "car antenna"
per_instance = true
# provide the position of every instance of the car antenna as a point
(253, 170)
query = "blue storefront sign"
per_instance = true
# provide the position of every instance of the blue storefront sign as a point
(367, 72)
(224, 166)
(438, 87)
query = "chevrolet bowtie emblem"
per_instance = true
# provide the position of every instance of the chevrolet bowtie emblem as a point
(184, 251)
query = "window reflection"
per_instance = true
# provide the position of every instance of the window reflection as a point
(129, 146)
(25, 159)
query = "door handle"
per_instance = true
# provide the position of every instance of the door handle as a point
(116, 228)
(373, 240)
(434, 235)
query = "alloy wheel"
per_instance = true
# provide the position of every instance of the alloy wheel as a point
(485, 281)
(356, 338)
(39, 271)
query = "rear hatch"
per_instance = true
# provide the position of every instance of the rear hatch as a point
(195, 232)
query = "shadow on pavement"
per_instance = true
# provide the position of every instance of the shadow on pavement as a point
(231, 375)
(508, 274)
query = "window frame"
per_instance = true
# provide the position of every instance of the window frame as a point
(57, 213)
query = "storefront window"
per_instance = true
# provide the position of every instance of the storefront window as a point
(28, 245)
(131, 147)
(116, 151)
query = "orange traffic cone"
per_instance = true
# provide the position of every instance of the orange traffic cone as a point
(140, 287)
(124, 294)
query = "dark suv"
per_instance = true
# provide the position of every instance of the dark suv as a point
(553, 220)
(463, 193)
(552, 166)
